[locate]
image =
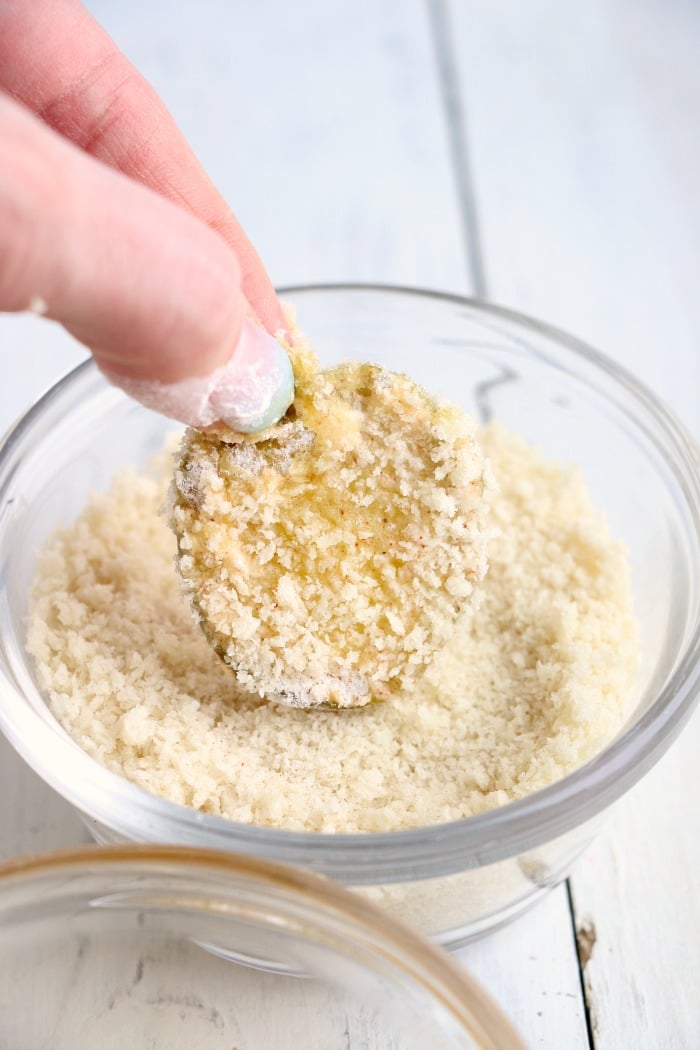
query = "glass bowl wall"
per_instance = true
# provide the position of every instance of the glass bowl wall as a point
(453, 881)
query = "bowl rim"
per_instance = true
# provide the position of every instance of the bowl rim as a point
(377, 932)
(392, 856)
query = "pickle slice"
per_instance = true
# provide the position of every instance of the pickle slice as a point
(329, 557)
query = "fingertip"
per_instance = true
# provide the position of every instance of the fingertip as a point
(256, 387)
(250, 392)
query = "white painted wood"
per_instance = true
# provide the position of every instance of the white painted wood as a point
(636, 893)
(164, 982)
(531, 968)
(582, 131)
(319, 122)
(32, 818)
(582, 125)
(333, 151)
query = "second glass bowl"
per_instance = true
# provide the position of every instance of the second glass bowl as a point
(162, 947)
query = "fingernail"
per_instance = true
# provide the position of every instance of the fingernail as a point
(255, 387)
(250, 392)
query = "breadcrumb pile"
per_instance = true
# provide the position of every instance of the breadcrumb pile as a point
(329, 558)
(526, 690)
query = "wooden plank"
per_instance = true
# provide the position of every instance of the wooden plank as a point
(33, 817)
(638, 911)
(319, 123)
(531, 968)
(585, 161)
(584, 154)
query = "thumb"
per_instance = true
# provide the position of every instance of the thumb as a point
(152, 291)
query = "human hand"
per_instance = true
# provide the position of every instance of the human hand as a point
(109, 225)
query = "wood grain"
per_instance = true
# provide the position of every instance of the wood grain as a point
(585, 159)
(581, 125)
(332, 134)
(320, 123)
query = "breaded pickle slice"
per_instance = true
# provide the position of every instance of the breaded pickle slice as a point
(329, 557)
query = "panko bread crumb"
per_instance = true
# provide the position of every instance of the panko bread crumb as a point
(329, 558)
(529, 689)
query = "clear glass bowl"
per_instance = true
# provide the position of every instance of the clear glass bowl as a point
(453, 881)
(165, 947)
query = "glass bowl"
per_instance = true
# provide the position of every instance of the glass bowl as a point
(456, 880)
(164, 947)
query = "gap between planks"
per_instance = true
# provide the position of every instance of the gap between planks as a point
(439, 19)
(584, 940)
(457, 132)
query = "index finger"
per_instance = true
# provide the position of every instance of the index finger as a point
(56, 59)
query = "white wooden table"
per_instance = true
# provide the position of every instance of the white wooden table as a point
(544, 155)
